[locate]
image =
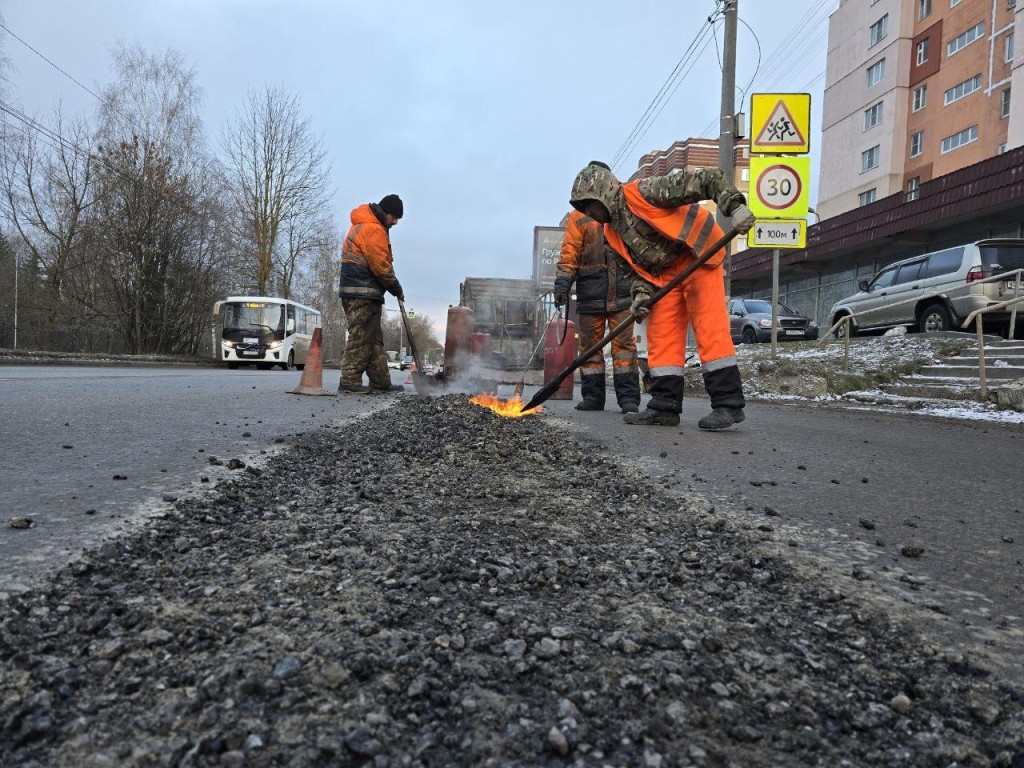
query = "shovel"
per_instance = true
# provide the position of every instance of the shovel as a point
(551, 387)
(419, 378)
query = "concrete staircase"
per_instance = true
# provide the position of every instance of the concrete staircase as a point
(957, 378)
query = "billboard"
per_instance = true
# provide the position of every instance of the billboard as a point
(547, 242)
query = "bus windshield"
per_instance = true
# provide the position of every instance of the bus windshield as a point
(253, 318)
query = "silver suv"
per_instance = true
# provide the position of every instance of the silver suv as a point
(937, 291)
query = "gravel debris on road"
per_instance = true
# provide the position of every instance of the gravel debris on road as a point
(437, 585)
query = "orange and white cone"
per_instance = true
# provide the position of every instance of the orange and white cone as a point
(412, 369)
(312, 382)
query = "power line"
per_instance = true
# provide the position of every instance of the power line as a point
(703, 40)
(649, 113)
(40, 55)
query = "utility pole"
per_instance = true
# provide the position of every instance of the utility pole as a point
(727, 124)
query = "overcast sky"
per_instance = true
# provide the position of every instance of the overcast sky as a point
(479, 114)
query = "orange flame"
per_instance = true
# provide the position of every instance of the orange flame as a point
(512, 408)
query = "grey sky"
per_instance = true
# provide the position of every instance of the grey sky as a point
(478, 114)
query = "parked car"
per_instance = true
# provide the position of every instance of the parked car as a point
(936, 291)
(750, 321)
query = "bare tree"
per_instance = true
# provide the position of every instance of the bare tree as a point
(46, 191)
(155, 229)
(278, 171)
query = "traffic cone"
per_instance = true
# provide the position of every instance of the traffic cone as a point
(312, 382)
(411, 369)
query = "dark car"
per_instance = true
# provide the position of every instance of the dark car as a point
(750, 321)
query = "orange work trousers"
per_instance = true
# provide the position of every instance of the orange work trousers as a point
(700, 302)
(592, 328)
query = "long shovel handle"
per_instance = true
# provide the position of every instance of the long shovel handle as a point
(408, 333)
(552, 387)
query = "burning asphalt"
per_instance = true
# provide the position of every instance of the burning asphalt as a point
(437, 585)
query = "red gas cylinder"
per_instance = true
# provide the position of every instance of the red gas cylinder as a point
(458, 340)
(482, 346)
(558, 357)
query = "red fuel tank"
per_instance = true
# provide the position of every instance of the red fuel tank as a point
(558, 357)
(482, 346)
(458, 340)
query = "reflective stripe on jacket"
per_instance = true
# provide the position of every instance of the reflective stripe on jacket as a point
(602, 286)
(366, 258)
(691, 225)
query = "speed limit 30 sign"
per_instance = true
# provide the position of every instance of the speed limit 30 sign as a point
(778, 187)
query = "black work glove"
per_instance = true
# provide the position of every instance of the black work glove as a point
(395, 289)
(561, 298)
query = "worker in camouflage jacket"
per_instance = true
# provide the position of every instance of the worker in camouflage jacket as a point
(602, 301)
(367, 272)
(657, 226)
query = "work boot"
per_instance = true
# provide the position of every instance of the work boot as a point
(592, 388)
(652, 418)
(721, 418)
(353, 389)
(627, 391)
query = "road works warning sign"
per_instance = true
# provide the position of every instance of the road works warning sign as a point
(781, 123)
(778, 233)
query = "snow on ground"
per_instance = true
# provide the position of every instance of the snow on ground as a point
(870, 355)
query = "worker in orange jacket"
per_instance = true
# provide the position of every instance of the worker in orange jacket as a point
(367, 272)
(657, 226)
(602, 300)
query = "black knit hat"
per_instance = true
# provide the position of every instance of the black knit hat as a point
(392, 204)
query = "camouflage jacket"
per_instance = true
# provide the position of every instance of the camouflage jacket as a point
(648, 247)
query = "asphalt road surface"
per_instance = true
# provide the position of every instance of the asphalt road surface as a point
(848, 490)
(87, 451)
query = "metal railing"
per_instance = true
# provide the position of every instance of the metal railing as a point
(977, 317)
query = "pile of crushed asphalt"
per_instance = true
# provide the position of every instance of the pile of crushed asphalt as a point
(436, 585)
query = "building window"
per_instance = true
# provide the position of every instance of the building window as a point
(924, 8)
(960, 90)
(1002, 148)
(1004, 103)
(913, 188)
(957, 140)
(869, 158)
(864, 198)
(879, 30)
(873, 116)
(960, 42)
(917, 144)
(744, 174)
(922, 51)
(920, 97)
(1008, 51)
(954, 3)
(876, 72)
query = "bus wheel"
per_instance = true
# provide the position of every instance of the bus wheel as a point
(289, 364)
(233, 366)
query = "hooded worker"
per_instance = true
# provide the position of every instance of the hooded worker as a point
(367, 272)
(657, 226)
(602, 299)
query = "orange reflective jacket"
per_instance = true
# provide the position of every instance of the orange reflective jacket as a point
(690, 224)
(601, 285)
(366, 259)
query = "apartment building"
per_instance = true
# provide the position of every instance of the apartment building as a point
(914, 89)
